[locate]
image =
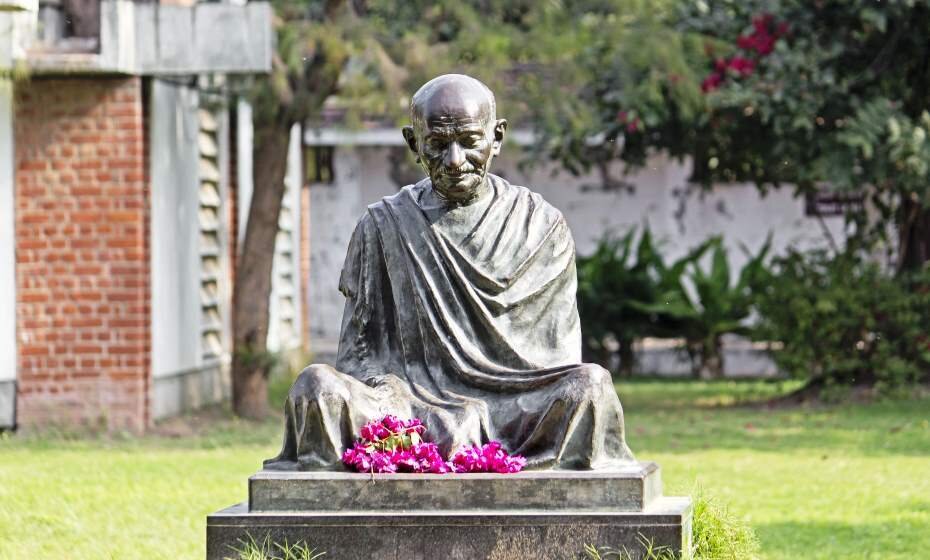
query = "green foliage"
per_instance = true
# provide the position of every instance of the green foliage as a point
(624, 293)
(255, 358)
(818, 107)
(837, 100)
(364, 58)
(717, 305)
(617, 72)
(648, 552)
(610, 280)
(627, 293)
(839, 320)
(265, 549)
(717, 534)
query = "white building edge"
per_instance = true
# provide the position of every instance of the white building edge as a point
(185, 52)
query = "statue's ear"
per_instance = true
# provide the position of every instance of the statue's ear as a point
(500, 127)
(411, 138)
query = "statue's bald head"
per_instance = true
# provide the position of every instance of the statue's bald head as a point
(455, 135)
(452, 94)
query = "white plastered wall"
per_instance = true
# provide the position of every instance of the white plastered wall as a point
(175, 229)
(738, 212)
(17, 26)
(7, 259)
(244, 133)
(190, 266)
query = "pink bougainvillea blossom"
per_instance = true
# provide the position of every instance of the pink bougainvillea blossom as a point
(764, 35)
(632, 122)
(712, 82)
(740, 65)
(760, 42)
(392, 445)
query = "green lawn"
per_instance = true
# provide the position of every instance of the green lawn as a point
(849, 481)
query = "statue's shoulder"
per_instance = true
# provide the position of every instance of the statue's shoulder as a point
(406, 195)
(533, 200)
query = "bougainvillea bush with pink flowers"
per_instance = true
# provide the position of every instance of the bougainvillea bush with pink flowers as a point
(393, 445)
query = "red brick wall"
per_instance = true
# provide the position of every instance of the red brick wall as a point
(82, 256)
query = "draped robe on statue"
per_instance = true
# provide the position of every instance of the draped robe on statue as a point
(466, 318)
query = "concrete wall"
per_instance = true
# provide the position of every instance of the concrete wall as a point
(680, 221)
(181, 379)
(244, 133)
(7, 260)
(12, 27)
(175, 260)
(150, 38)
(190, 298)
(361, 178)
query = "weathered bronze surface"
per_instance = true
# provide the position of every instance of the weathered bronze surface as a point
(460, 310)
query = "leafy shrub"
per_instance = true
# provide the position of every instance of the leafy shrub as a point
(716, 534)
(843, 321)
(603, 275)
(622, 290)
(626, 293)
(718, 305)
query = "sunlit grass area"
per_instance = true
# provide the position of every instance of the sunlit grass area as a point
(844, 481)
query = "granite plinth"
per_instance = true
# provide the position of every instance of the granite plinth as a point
(534, 514)
(630, 489)
(456, 535)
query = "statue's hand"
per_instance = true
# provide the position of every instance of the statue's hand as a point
(375, 380)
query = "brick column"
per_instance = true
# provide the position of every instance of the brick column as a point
(82, 253)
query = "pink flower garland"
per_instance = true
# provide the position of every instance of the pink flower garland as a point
(391, 445)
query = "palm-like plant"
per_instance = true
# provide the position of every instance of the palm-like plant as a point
(608, 281)
(716, 305)
(627, 292)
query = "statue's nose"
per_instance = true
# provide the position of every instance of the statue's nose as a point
(455, 156)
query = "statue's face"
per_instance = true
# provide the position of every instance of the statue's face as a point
(455, 140)
(456, 150)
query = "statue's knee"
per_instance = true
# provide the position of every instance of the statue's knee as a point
(314, 379)
(595, 375)
(592, 381)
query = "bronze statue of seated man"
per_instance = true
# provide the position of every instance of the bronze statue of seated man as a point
(460, 310)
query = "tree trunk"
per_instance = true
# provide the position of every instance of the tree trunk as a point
(711, 359)
(627, 358)
(252, 288)
(706, 358)
(913, 235)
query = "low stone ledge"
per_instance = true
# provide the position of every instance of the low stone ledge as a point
(631, 489)
(456, 535)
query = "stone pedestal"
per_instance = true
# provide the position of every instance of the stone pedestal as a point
(534, 514)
